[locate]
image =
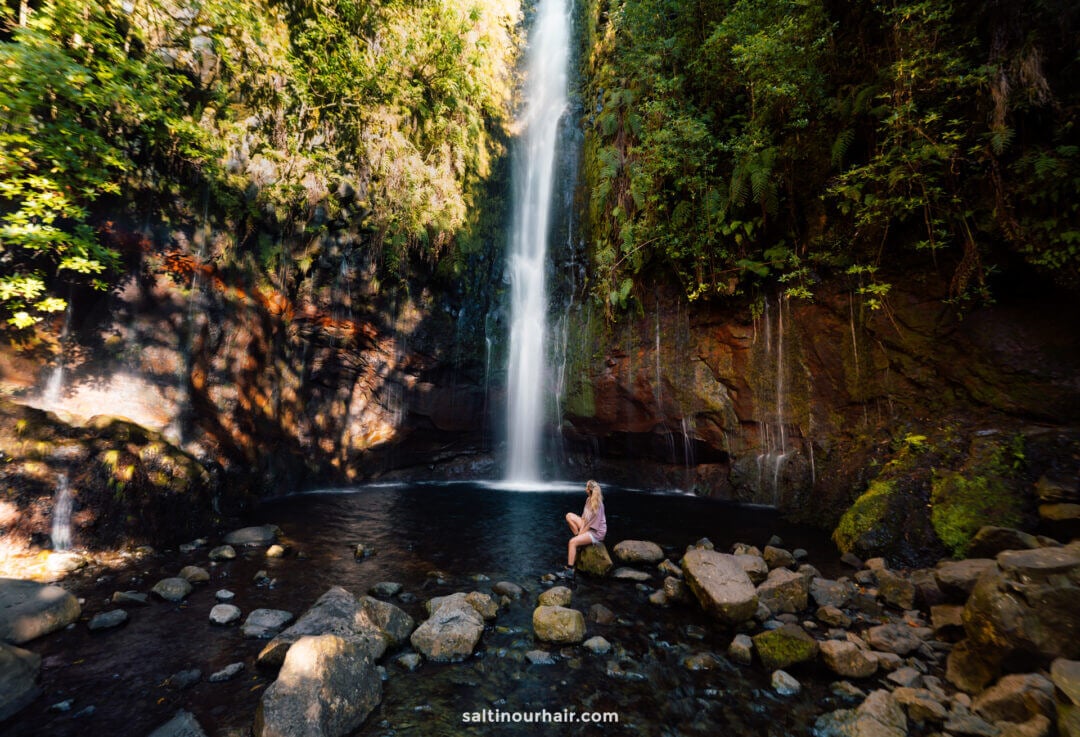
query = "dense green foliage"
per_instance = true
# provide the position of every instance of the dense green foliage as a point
(297, 117)
(743, 141)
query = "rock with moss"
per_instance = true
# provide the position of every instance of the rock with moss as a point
(594, 560)
(558, 624)
(785, 646)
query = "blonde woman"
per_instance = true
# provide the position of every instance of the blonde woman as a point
(589, 529)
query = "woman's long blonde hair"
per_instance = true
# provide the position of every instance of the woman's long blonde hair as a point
(596, 498)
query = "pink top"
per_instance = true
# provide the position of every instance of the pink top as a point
(597, 525)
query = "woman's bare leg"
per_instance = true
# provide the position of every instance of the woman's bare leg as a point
(576, 525)
(575, 542)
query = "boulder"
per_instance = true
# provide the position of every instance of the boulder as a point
(947, 620)
(785, 646)
(134, 598)
(29, 609)
(880, 715)
(784, 591)
(928, 592)
(559, 625)
(557, 596)
(826, 592)
(847, 659)
(451, 632)
(720, 585)
(484, 605)
(260, 535)
(630, 574)
(957, 578)
(896, 589)
(508, 588)
(637, 551)
(777, 557)
(172, 589)
(675, 589)
(970, 667)
(893, 638)
(265, 623)
(1016, 698)
(1065, 675)
(371, 624)
(18, 679)
(989, 541)
(594, 560)
(601, 615)
(597, 645)
(1028, 606)
(327, 686)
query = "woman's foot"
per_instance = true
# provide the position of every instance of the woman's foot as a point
(567, 573)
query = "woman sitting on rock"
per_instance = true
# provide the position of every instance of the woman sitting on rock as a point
(588, 529)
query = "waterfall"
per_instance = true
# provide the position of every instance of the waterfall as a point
(773, 395)
(61, 516)
(534, 168)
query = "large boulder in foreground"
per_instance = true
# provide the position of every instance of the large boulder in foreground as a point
(451, 632)
(720, 584)
(29, 609)
(326, 688)
(372, 624)
(1027, 608)
(18, 679)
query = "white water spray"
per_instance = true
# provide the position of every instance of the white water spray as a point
(545, 103)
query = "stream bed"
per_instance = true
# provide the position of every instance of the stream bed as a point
(666, 673)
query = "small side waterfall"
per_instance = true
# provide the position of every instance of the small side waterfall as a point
(534, 174)
(63, 505)
(772, 390)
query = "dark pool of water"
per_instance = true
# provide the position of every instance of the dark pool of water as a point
(474, 536)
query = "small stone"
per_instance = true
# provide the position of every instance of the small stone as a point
(108, 620)
(741, 649)
(597, 645)
(847, 659)
(785, 646)
(224, 595)
(362, 551)
(667, 568)
(630, 574)
(600, 614)
(123, 598)
(228, 672)
(833, 617)
(658, 598)
(969, 724)
(275, 551)
(701, 661)
(62, 707)
(223, 553)
(506, 588)
(386, 589)
(172, 589)
(409, 661)
(906, 677)
(558, 624)
(785, 684)
(826, 592)
(893, 638)
(852, 560)
(540, 657)
(260, 535)
(777, 557)
(265, 623)
(194, 574)
(224, 614)
(183, 679)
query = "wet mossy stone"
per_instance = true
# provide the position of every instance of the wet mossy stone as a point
(785, 646)
(594, 560)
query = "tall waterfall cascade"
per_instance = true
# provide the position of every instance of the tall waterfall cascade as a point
(547, 65)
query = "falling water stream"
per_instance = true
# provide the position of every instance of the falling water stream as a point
(534, 175)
